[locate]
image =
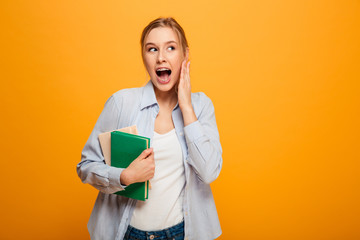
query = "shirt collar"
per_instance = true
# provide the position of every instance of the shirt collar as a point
(149, 97)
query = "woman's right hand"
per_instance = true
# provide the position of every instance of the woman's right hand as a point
(140, 170)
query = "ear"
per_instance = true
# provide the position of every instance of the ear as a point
(187, 54)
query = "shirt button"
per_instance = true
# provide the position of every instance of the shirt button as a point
(181, 134)
(152, 237)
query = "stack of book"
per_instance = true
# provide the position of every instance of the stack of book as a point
(120, 148)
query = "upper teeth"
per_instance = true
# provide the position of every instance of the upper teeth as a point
(163, 69)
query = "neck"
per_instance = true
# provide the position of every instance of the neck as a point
(166, 99)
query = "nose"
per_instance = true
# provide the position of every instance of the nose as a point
(161, 57)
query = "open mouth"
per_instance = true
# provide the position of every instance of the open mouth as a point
(163, 74)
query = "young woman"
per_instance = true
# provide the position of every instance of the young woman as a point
(185, 156)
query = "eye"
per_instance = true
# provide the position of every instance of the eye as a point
(171, 48)
(152, 49)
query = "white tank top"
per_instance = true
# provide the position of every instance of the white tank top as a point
(163, 208)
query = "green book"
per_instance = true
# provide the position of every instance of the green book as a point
(125, 148)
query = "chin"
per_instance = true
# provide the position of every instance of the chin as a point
(164, 87)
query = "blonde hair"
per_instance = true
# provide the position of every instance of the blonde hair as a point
(165, 22)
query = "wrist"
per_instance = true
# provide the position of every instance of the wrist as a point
(186, 109)
(188, 115)
(125, 177)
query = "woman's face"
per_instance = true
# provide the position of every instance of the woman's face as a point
(163, 57)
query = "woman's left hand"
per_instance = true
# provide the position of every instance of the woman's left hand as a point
(184, 94)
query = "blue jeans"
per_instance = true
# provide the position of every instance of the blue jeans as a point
(172, 233)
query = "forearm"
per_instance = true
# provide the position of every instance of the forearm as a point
(101, 176)
(188, 115)
(204, 152)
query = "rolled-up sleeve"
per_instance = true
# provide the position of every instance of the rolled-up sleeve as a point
(204, 148)
(92, 168)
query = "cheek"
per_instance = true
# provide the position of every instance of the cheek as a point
(148, 64)
(176, 73)
(177, 61)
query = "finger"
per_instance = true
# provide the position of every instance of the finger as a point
(186, 57)
(183, 68)
(145, 153)
(188, 71)
(186, 76)
(150, 156)
(181, 71)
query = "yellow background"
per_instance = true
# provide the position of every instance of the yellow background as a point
(283, 76)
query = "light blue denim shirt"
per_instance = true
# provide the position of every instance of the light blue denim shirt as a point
(201, 150)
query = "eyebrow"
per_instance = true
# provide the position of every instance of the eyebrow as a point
(150, 43)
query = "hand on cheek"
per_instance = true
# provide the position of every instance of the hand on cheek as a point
(184, 94)
(184, 87)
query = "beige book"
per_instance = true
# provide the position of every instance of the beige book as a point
(105, 141)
